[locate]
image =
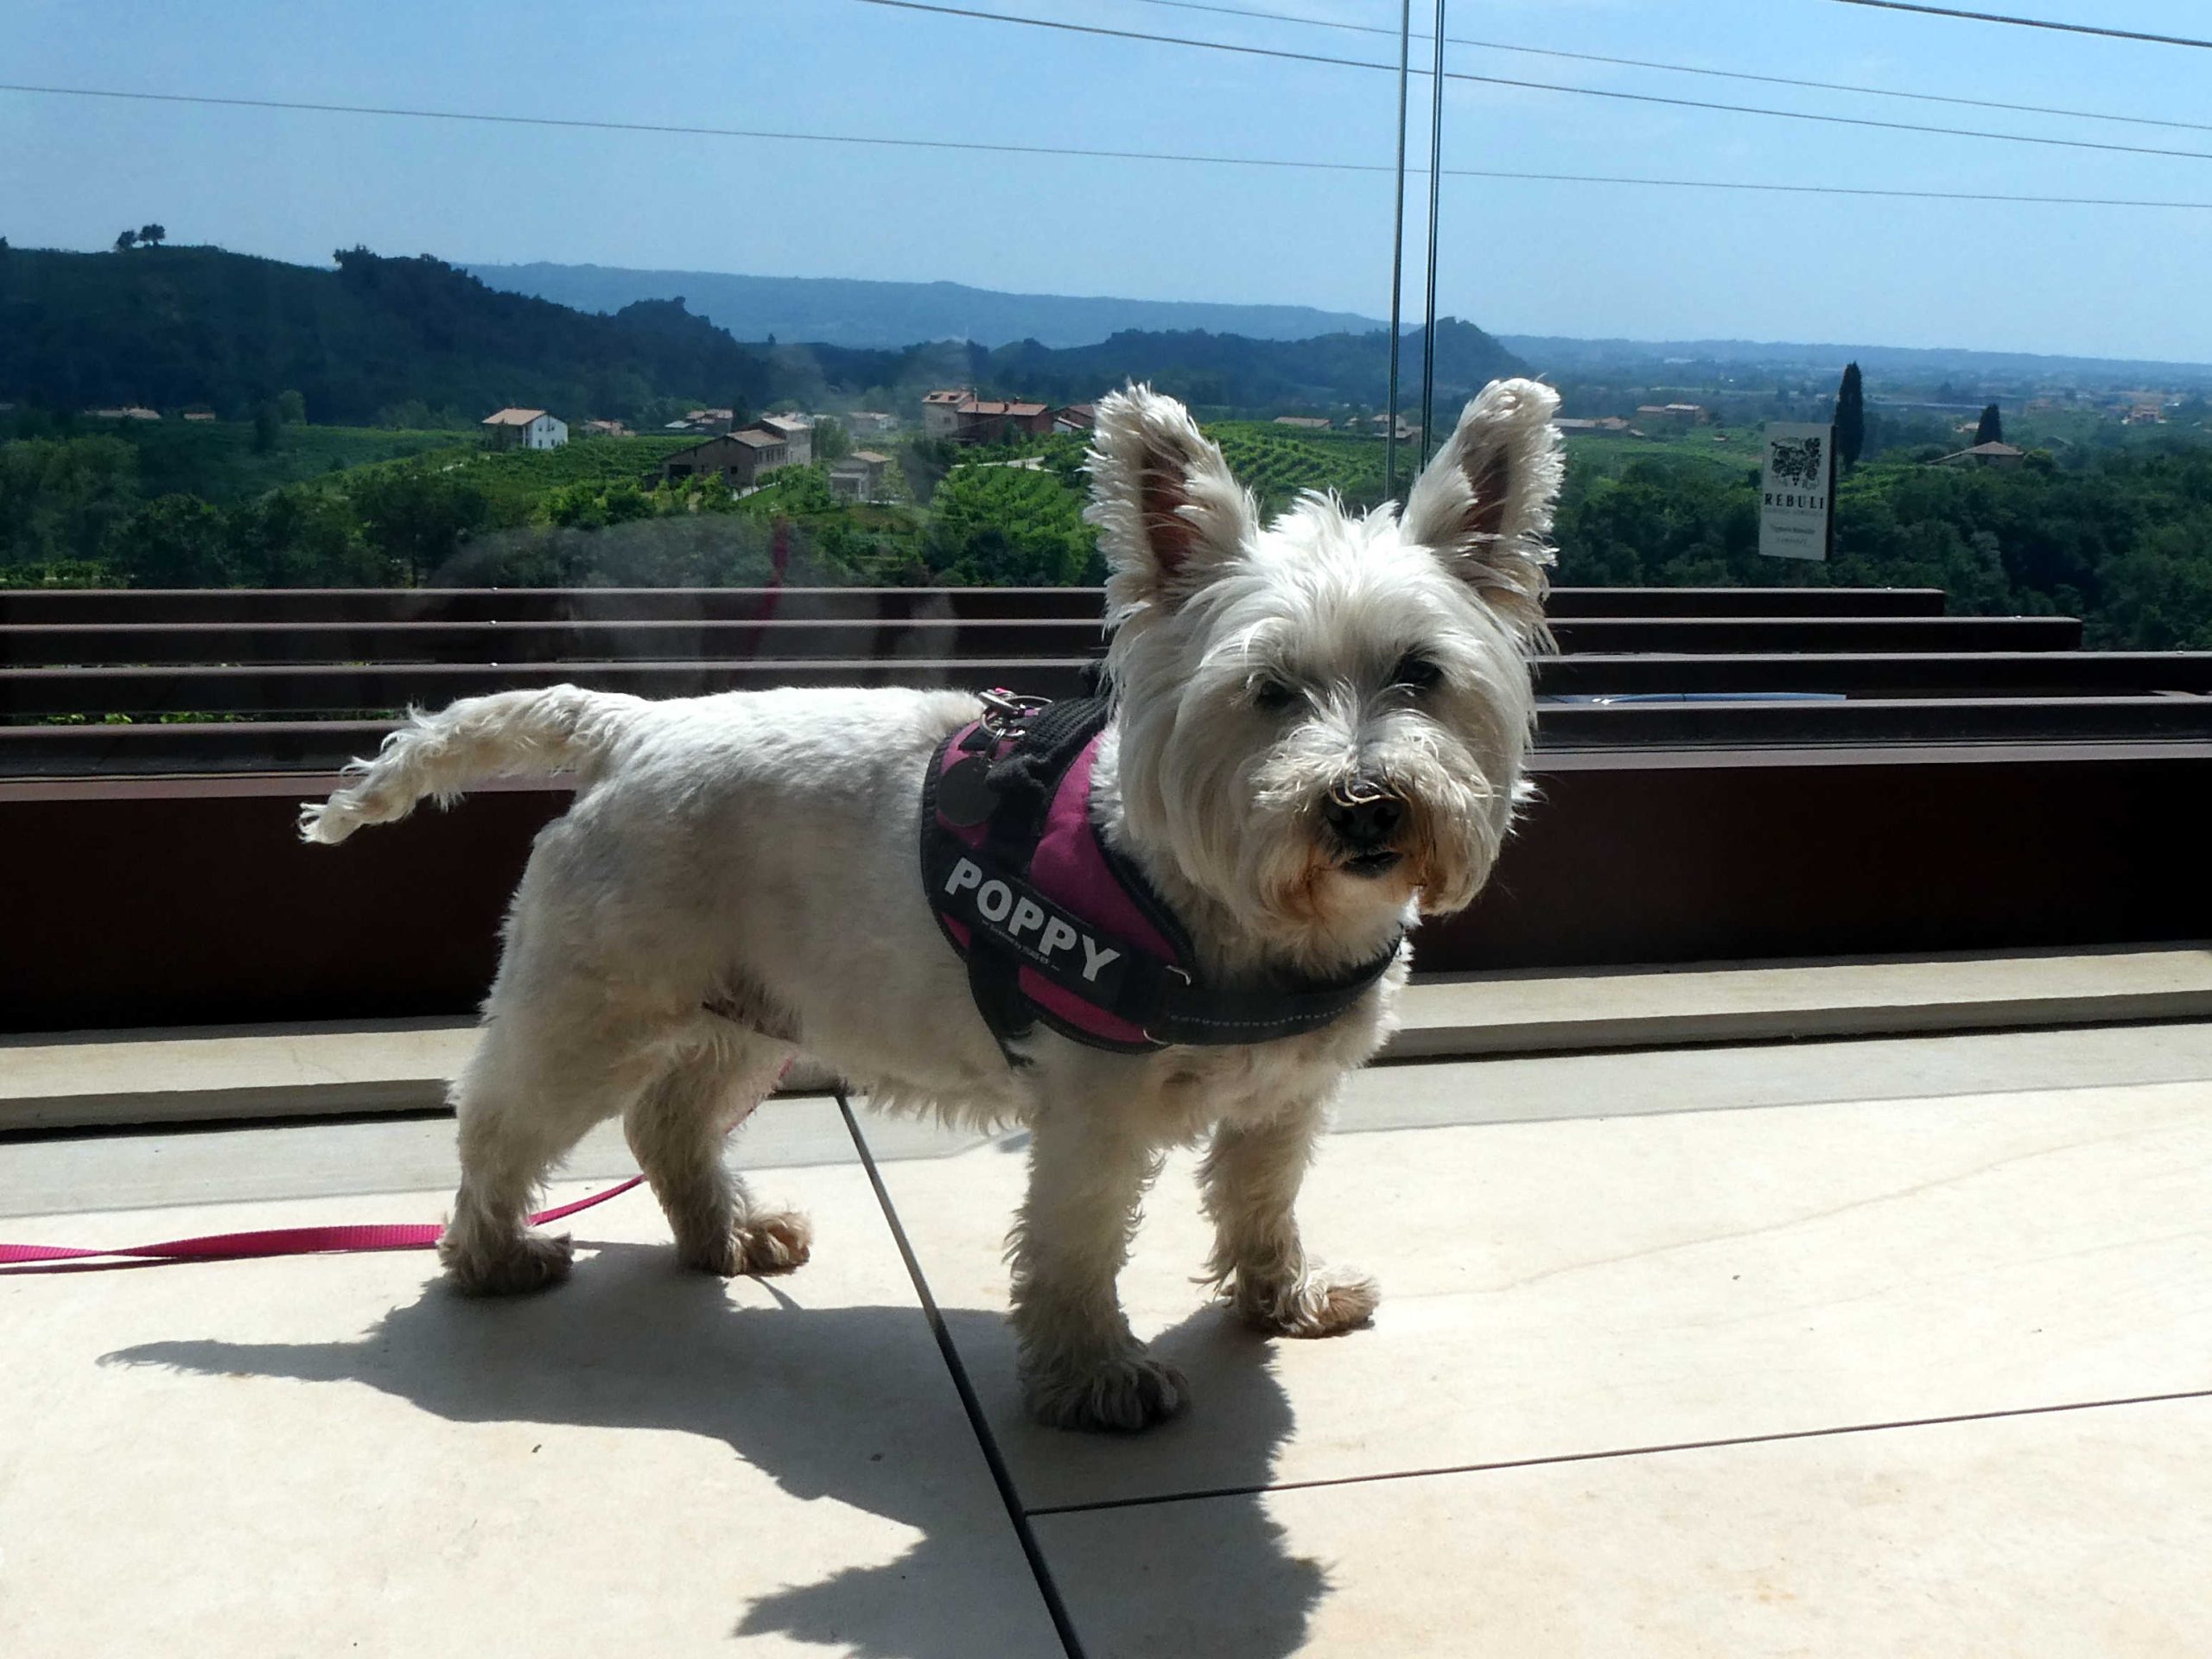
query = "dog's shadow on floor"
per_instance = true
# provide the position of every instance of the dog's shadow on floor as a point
(825, 1401)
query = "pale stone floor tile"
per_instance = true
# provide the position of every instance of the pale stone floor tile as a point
(2075, 1535)
(339, 1456)
(1590, 1285)
(1615, 1085)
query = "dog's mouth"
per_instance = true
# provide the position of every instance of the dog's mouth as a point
(1380, 862)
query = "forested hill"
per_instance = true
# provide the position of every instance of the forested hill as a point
(372, 336)
(168, 326)
(840, 311)
(1228, 371)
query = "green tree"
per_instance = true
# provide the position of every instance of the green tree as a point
(303, 537)
(176, 541)
(419, 519)
(268, 425)
(62, 499)
(1850, 417)
(151, 236)
(1991, 428)
(292, 409)
(832, 439)
(125, 242)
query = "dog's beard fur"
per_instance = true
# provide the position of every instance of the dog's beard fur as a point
(1256, 673)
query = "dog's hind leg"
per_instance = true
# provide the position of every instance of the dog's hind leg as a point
(1249, 1183)
(676, 1125)
(527, 1096)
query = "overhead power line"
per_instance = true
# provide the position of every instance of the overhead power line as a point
(926, 8)
(2032, 23)
(1696, 69)
(673, 129)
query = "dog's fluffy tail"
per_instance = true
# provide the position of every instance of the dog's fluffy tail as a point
(561, 729)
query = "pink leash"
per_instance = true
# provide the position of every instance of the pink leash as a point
(274, 1240)
(278, 1241)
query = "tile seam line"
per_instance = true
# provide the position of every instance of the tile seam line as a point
(1691, 1041)
(1618, 1454)
(1002, 1478)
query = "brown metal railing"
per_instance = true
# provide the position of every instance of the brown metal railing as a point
(1953, 783)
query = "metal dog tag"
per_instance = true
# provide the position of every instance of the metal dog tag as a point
(964, 795)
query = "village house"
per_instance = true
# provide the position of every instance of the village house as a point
(127, 412)
(703, 420)
(1672, 415)
(990, 420)
(1304, 423)
(605, 430)
(871, 422)
(797, 432)
(741, 459)
(524, 428)
(859, 476)
(941, 410)
(1076, 418)
(1983, 455)
(197, 414)
(963, 417)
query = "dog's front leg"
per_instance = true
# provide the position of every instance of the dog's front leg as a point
(1081, 1367)
(1249, 1183)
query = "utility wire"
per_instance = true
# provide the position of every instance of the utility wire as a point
(688, 132)
(1694, 69)
(2032, 23)
(923, 7)
(673, 129)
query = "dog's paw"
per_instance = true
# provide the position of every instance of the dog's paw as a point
(1121, 1395)
(527, 1262)
(766, 1243)
(1326, 1303)
(776, 1241)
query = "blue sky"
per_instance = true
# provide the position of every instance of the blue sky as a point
(1517, 256)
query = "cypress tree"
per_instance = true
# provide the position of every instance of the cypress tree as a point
(1991, 430)
(1850, 417)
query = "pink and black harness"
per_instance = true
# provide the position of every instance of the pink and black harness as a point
(1057, 926)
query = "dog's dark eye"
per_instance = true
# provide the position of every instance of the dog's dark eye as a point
(1273, 696)
(1415, 673)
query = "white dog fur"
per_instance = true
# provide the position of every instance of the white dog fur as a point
(738, 880)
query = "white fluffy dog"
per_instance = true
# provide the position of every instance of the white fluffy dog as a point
(1316, 734)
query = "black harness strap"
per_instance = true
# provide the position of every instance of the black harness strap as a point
(1047, 741)
(1166, 1002)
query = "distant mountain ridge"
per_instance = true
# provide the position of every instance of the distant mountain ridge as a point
(1564, 354)
(849, 312)
(376, 339)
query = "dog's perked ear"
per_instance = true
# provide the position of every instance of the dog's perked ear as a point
(1485, 504)
(1170, 514)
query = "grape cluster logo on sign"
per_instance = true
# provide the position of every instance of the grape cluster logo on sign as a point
(1796, 490)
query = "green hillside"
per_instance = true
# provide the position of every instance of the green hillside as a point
(415, 343)
(360, 343)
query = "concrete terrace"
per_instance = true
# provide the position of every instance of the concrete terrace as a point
(1840, 1309)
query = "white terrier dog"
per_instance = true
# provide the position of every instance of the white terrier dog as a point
(1315, 733)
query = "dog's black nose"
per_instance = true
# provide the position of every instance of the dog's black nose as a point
(1363, 813)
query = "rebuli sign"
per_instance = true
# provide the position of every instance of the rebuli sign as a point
(1796, 481)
